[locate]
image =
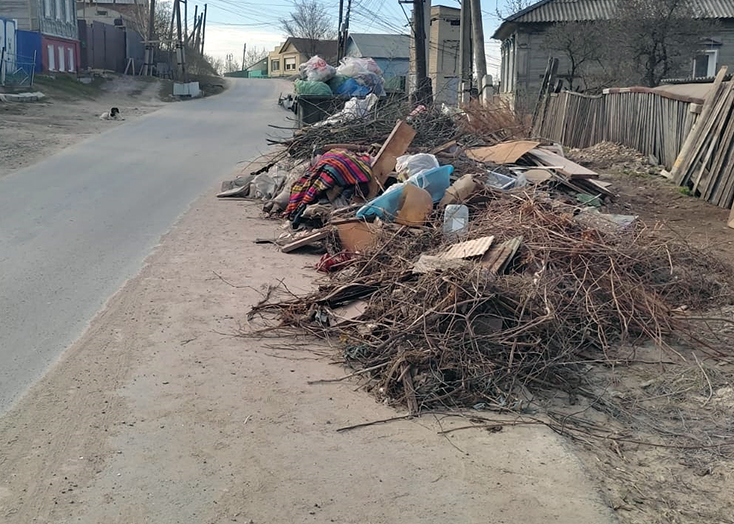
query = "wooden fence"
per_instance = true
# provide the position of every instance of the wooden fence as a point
(652, 122)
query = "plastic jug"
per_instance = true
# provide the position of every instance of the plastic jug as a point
(455, 220)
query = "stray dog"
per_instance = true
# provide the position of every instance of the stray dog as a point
(112, 114)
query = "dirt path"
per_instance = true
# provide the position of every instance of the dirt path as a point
(32, 131)
(158, 414)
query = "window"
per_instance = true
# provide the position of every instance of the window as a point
(275, 65)
(71, 59)
(59, 14)
(51, 58)
(70, 6)
(704, 64)
(290, 64)
(61, 59)
(47, 8)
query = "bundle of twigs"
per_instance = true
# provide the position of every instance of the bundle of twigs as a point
(463, 336)
(433, 128)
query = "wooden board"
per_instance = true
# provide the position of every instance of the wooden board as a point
(505, 153)
(538, 176)
(731, 218)
(499, 257)
(396, 145)
(567, 167)
(682, 162)
(317, 235)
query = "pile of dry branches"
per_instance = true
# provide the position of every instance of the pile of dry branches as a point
(466, 336)
(476, 125)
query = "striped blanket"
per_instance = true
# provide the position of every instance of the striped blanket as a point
(338, 167)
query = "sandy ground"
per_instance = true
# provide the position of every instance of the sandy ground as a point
(31, 131)
(158, 414)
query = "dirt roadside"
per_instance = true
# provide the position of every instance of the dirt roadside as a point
(158, 414)
(67, 115)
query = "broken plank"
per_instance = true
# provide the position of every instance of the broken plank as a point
(568, 168)
(396, 145)
(306, 240)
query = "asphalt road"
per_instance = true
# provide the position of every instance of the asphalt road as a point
(76, 226)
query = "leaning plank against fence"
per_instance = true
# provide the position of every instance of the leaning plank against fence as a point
(655, 123)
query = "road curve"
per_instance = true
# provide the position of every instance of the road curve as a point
(76, 226)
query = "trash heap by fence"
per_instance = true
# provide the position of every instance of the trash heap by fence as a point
(652, 122)
(467, 269)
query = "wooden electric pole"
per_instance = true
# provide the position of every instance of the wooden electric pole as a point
(149, 55)
(180, 53)
(422, 92)
(203, 31)
(465, 52)
(339, 44)
(480, 59)
(186, 20)
(192, 34)
(345, 32)
(244, 53)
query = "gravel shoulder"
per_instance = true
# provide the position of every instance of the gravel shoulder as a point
(159, 414)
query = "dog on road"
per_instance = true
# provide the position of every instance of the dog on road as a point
(112, 114)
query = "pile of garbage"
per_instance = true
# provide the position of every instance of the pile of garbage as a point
(467, 275)
(608, 155)
(354, 77)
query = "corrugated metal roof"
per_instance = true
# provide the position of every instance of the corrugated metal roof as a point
(584, 10)
(382, 46)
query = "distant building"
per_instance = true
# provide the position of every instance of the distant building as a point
(443, 53)
(128, 13)
(390, 52)
(525, 55)
(54, 24)
(287, 57)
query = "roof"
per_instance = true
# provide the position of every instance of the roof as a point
(551, 11)
(259, 64)
(323, 48)
(381, 46)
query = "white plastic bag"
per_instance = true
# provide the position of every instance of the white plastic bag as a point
(352, 66)
(317, 70)
(410, 165)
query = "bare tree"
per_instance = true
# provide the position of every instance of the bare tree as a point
(309, 20)
(659, 38)
(511, 7)
(254, 55)
(584, 45)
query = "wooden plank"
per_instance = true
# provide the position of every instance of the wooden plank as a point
(567, 167)
(317, 235)
(396, 145)
(731, 218)
(682, 162)
(505, 153)
(719, 120)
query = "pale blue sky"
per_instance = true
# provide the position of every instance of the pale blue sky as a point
(231, 23)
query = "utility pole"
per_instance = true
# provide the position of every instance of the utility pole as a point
(465, 52)
(203, 32)
(149, 44)
(478, 40)
(180, 54)
(244, 53)
(186, 20)
(422, 92)
(192, 34)
(345, 33)
(339, 44)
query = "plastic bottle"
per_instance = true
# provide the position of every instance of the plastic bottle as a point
(455, 220)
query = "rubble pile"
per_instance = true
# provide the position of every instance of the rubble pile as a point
(475, 274)
(608, 155)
